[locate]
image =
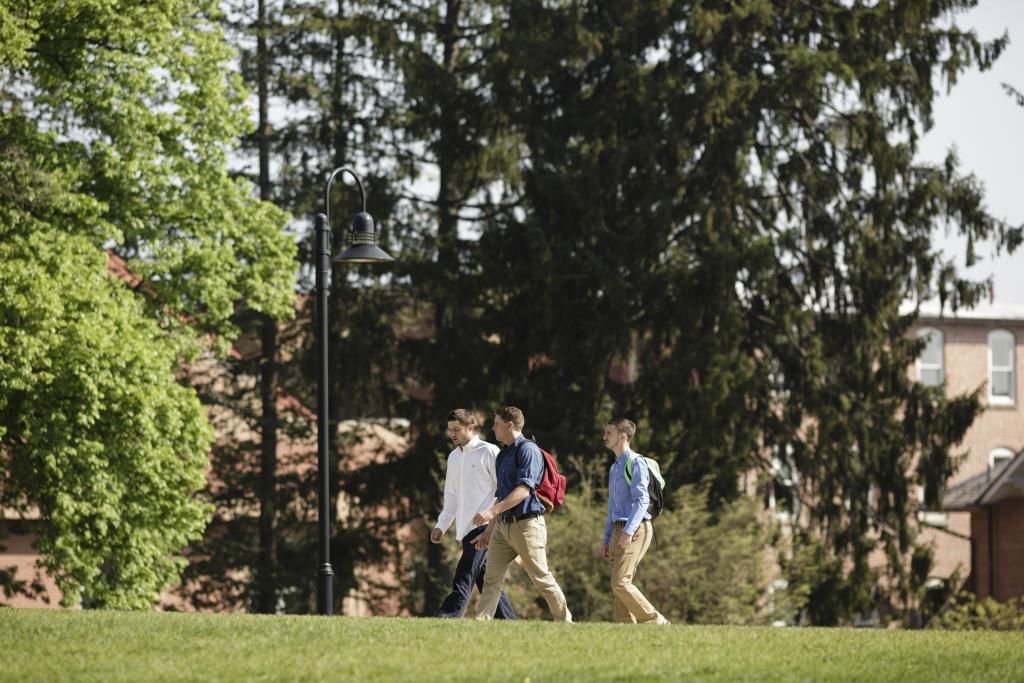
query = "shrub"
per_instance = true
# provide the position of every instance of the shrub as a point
(967, 613)
(702, 567)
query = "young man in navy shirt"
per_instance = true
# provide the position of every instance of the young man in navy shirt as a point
(515, 522)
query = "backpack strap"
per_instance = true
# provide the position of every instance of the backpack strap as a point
(628, 470)
(519, 448)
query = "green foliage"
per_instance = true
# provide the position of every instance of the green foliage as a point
(116, 122)
(819, 588)
(726, 195)
(721, 197)
(967, 613)
(701, 568)
(95, 432)
(128, 104)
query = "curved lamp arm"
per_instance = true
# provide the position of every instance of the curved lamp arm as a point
(327, 190)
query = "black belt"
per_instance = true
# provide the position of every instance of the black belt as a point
(519, 518)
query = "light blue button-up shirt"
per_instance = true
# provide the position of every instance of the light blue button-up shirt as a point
(627, 503)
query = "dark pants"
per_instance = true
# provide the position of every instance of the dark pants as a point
(469, 571)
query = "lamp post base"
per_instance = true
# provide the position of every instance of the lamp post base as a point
(325, 590)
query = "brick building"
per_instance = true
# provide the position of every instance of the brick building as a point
(18, 533)
(980, 529)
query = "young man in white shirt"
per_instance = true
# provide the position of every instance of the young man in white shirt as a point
(469, 486)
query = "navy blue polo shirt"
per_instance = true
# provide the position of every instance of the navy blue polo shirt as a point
(526, 469)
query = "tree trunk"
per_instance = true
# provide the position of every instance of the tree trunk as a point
(266, 585)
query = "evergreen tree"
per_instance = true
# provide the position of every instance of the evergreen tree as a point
(705, 215)
(728, 193)
(407, 98)
(444, 53)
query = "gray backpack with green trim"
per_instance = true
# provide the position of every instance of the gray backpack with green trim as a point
(655, 483)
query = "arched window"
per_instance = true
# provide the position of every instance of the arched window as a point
(1001, 376)
(997, 459)
(930, 370)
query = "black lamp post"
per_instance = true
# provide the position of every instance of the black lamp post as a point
(362, 248)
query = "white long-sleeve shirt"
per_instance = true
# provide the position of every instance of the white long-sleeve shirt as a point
(469, 485)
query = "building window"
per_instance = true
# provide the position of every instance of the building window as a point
(1000, 367)
(927, 513)
(930, 370)
(783, 490)
(997, 459)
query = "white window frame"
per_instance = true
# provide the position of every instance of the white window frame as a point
(992, 398)
(999, 454)
(933, 518)
(941, 367)
(783, 515)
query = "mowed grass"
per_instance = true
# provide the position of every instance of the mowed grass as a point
(52, 646)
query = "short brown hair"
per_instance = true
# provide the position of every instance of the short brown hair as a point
(467, 418)
(513, 415)
(627, 427)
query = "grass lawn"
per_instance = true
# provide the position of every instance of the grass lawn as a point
(52, 646)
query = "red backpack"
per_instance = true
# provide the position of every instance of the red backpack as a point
(551, 490)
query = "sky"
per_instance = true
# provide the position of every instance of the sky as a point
(986, 127)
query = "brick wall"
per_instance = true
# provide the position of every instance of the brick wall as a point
(982, 557)
(966, 364)
(22, 556)
(965, 360)
(1008, 542)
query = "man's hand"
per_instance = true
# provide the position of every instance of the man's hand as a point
(625, 540)
(483, 517)
(483, 540)
(435, 535)
(604, 552)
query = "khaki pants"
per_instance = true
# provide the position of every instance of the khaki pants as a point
(528, 540)
(628, 603)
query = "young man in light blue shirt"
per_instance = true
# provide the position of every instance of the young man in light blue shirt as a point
(627, 531)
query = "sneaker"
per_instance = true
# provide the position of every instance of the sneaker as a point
(662, 621)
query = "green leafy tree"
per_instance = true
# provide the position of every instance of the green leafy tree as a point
(94, 431)
(116, 122)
